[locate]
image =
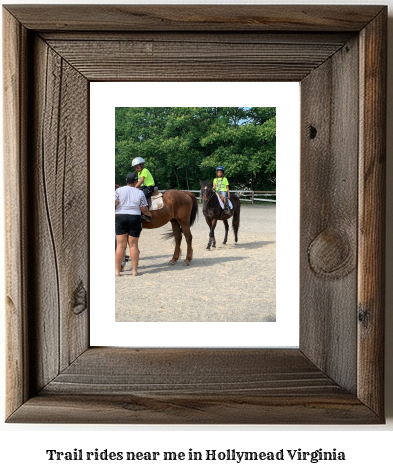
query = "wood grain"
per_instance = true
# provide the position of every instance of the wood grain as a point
(201, 37)
(372, 199)
(329, 173)
(60, 217)
(185, 371)
(183, 60)
(14, 71)
(195, 17)
(239, 409)
(197, 385)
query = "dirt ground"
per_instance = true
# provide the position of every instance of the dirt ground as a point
(229, 283)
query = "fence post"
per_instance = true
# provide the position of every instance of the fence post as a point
(252, 197)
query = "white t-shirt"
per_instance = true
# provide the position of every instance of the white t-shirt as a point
(130, 200)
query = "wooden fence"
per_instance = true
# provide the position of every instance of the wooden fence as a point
(248, 196)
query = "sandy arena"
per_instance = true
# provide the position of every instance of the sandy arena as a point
(229, 283)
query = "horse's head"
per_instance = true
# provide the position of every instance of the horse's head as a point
(206, 190)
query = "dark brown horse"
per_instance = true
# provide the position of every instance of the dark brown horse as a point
(181, 209)
(213, 212)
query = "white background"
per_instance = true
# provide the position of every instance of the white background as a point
(368, 448)
(104, 97)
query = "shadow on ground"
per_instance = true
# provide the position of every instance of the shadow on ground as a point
(166, 266)
(253, 245)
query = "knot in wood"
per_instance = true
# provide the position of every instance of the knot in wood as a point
(364, 317)
(313, 132)
(80, 299)
(330, 254)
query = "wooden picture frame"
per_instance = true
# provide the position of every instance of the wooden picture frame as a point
(338, 54)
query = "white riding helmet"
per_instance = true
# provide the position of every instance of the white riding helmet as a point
(137, 161)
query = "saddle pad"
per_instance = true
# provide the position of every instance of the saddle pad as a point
(156, 202)
(222, 203)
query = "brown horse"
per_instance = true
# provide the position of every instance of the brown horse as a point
(180, 209)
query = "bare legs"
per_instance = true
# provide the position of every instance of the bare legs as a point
(121, 250)
(134, 253)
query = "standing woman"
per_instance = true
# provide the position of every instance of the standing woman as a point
(123, 263)
(117, 186)
(129, 202)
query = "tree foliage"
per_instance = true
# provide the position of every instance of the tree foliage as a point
(182, 145)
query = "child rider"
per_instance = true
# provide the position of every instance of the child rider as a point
(221, 185)
(145, 179)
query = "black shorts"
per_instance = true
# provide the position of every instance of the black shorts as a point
(130, 224)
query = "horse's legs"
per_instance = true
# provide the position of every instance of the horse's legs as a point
(226, 230)
(209, 223)
(178, 235)
(188, 236)
(236, 222)
(212, 239)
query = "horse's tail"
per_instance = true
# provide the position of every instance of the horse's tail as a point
(168, 235)
(194, 210)
(236, 212)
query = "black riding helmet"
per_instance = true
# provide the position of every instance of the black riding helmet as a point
(131, 177)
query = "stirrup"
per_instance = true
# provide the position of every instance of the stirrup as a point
(145, 218)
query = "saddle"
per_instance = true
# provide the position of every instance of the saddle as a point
(221, 197)
(154, 201)
(221, 200)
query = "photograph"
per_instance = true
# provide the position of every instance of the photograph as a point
(195, 214)
(164, 133)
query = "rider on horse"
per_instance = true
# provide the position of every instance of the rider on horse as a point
(145, 179)
(221, 185)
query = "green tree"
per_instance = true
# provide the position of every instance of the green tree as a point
(182, 145)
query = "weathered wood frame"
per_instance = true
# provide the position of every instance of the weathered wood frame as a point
(338, 53)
